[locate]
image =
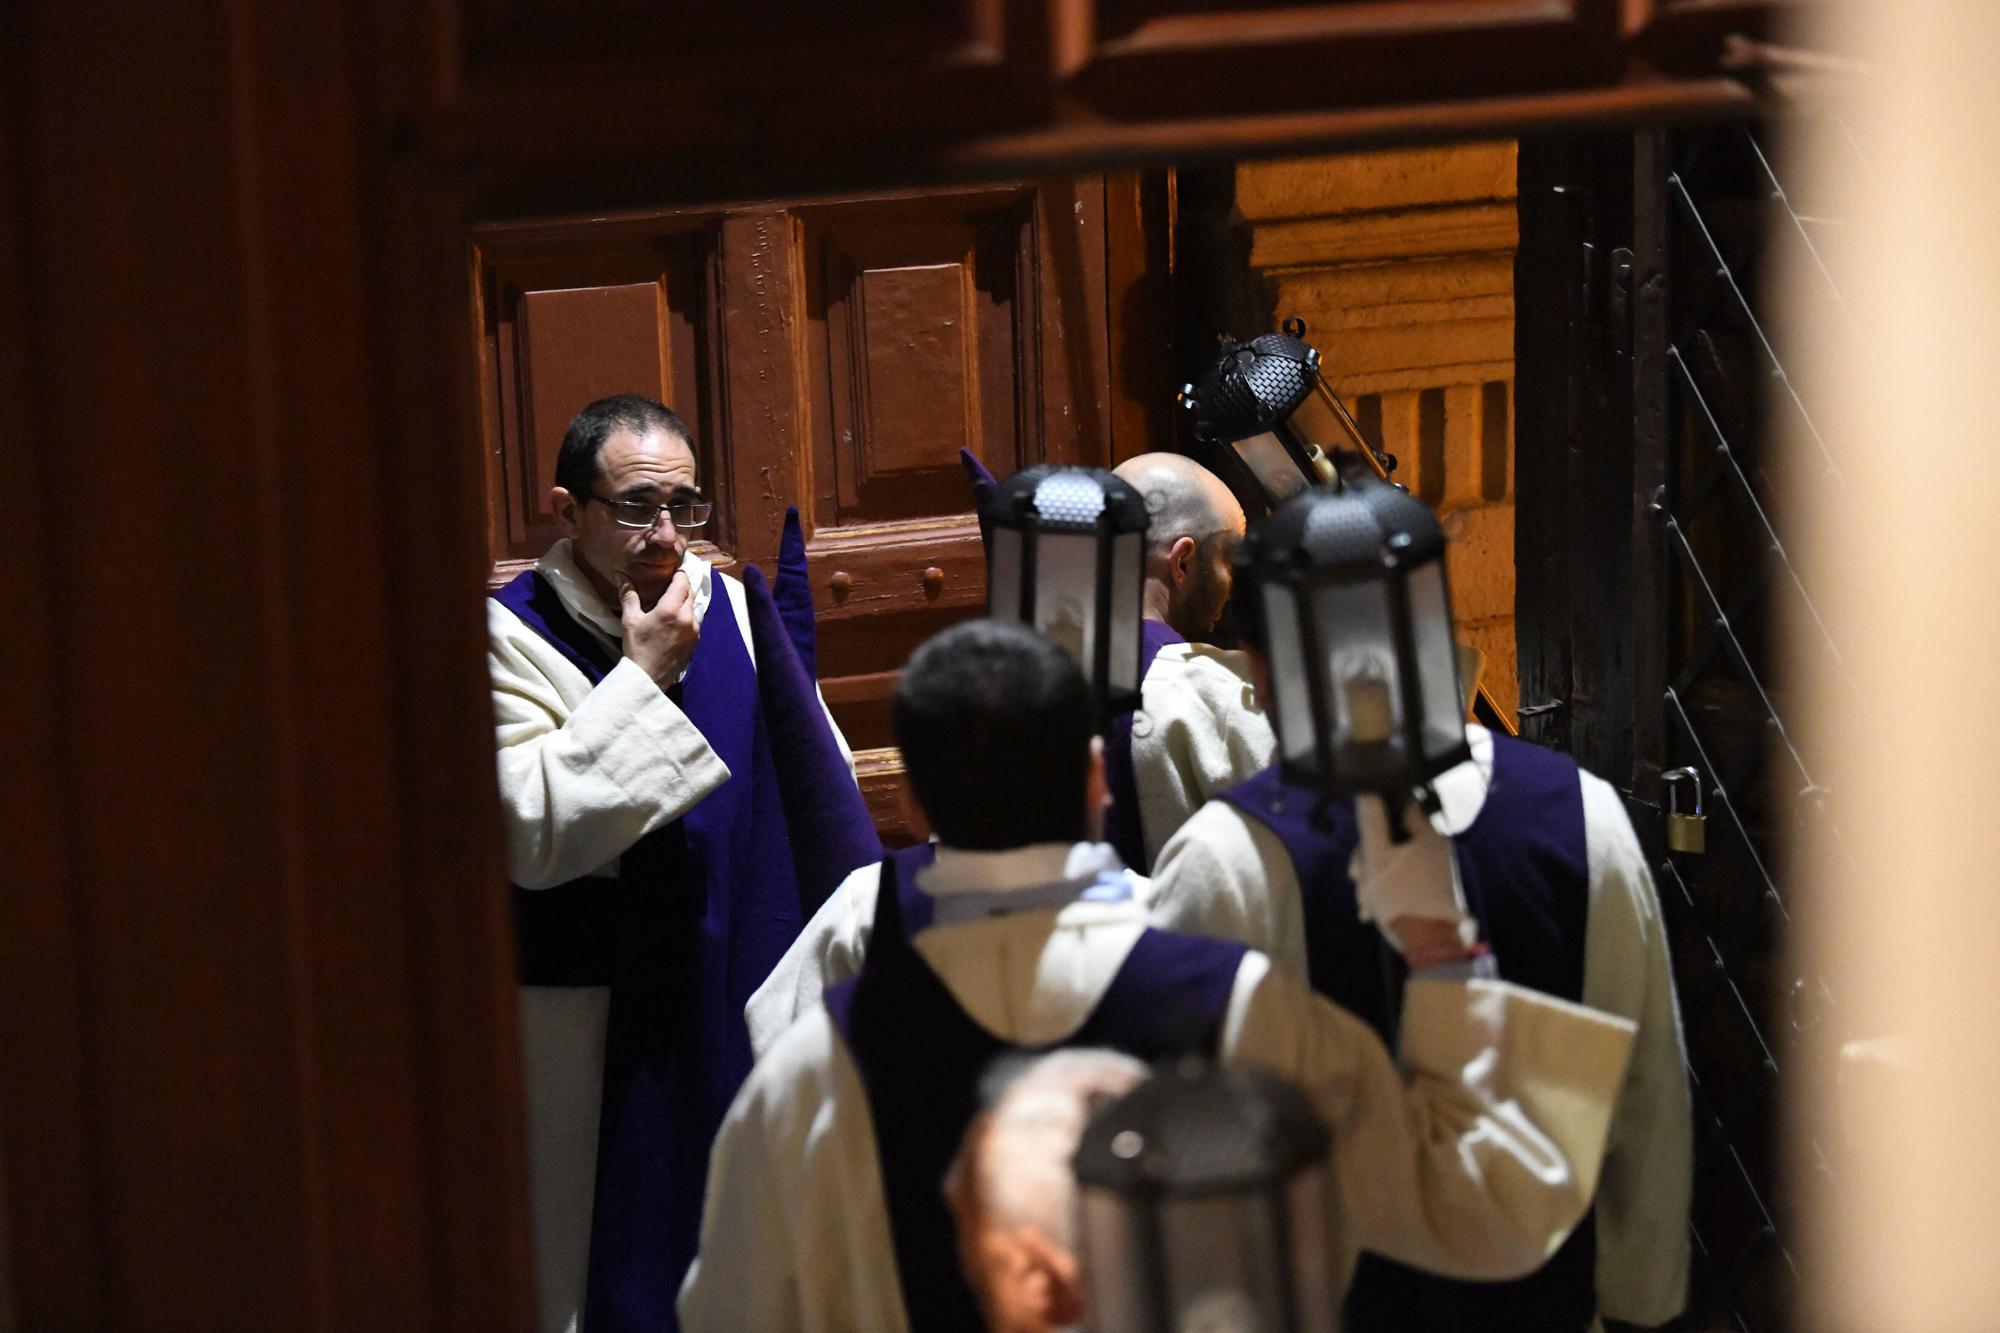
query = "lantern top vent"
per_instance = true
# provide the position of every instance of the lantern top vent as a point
(1052, 495)
(1202, 1130)
(1253, 384)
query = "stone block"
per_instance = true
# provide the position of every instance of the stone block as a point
(1480, 560)
(1495, 638)
(1396, 178)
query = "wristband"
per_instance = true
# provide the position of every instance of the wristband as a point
(1478, 964)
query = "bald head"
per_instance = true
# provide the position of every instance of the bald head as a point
(1183, 498)
(1195, 526)
(1013, 1189)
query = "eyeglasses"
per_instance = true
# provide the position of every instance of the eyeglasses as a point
(686, 511)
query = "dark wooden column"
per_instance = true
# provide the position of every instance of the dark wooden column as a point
(1590, 442)
(256, 1018)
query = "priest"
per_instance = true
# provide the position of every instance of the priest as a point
(676, 802)
(1198, 727)
(1555, 880)
(826, 1206)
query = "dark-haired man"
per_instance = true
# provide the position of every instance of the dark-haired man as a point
(647, 843)
(1198, 728)
(825, 1202)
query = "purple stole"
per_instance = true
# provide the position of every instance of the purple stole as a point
(792, 591)
(1527, 881)
(983, 485)
(1122, 827)
(699, 913)
(921, 1058)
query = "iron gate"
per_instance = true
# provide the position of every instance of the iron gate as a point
(1654, 398)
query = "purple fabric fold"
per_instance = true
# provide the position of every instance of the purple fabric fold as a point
(831, 832)
(1122, 826)
(791, 589)
(983, 485)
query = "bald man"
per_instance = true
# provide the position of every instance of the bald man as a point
(1012, 1189)
(1198, 730)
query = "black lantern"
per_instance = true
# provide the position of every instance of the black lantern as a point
(1266, 406)
(1356, 619)
(1207, 1201)
(1068, 558)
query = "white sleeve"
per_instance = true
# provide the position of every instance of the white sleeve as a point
(578, 787)
(846, 751)
(1478, 1158)
(795, 1236)
(746, 1275)
(1642, 1201)
(827, 952)
(1200, 731)
(1227, 876)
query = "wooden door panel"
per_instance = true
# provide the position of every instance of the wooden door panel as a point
(573, 314)
(932, 323)
(576, 344)
(916, 348)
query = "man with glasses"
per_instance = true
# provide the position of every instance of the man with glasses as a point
(661, 756)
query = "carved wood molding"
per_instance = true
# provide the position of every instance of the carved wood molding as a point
(880, 774)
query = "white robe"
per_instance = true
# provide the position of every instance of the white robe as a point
(585, 772)
(1475, 1159)
(1227, 875)
(1198, 730)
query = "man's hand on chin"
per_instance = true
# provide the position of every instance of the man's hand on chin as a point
(661, 638)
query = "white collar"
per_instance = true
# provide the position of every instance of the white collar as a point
(958, 871)
(559, 566)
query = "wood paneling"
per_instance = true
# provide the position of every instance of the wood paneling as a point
(917, 347)
(257, 1049)
(569, 314)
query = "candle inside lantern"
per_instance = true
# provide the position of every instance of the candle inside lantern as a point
(1368, 714)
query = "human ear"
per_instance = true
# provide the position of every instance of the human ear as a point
(567, 509)
(1061, 1283)
(1180, 559)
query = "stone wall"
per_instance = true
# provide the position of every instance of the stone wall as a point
(1402, 265)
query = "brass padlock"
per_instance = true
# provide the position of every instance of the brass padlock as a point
(1685, 833)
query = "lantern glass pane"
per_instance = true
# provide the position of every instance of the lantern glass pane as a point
(1003, 575)
(1314, 419)
(1437, 659)
(1314, 1230)
(1291, 704)
(1224, 1261)
(1362, 682)
(1274, 469)
(1066, 593)
(1128, 608)
(1112, 1242)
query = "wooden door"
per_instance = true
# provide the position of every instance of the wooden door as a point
(834, 355)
